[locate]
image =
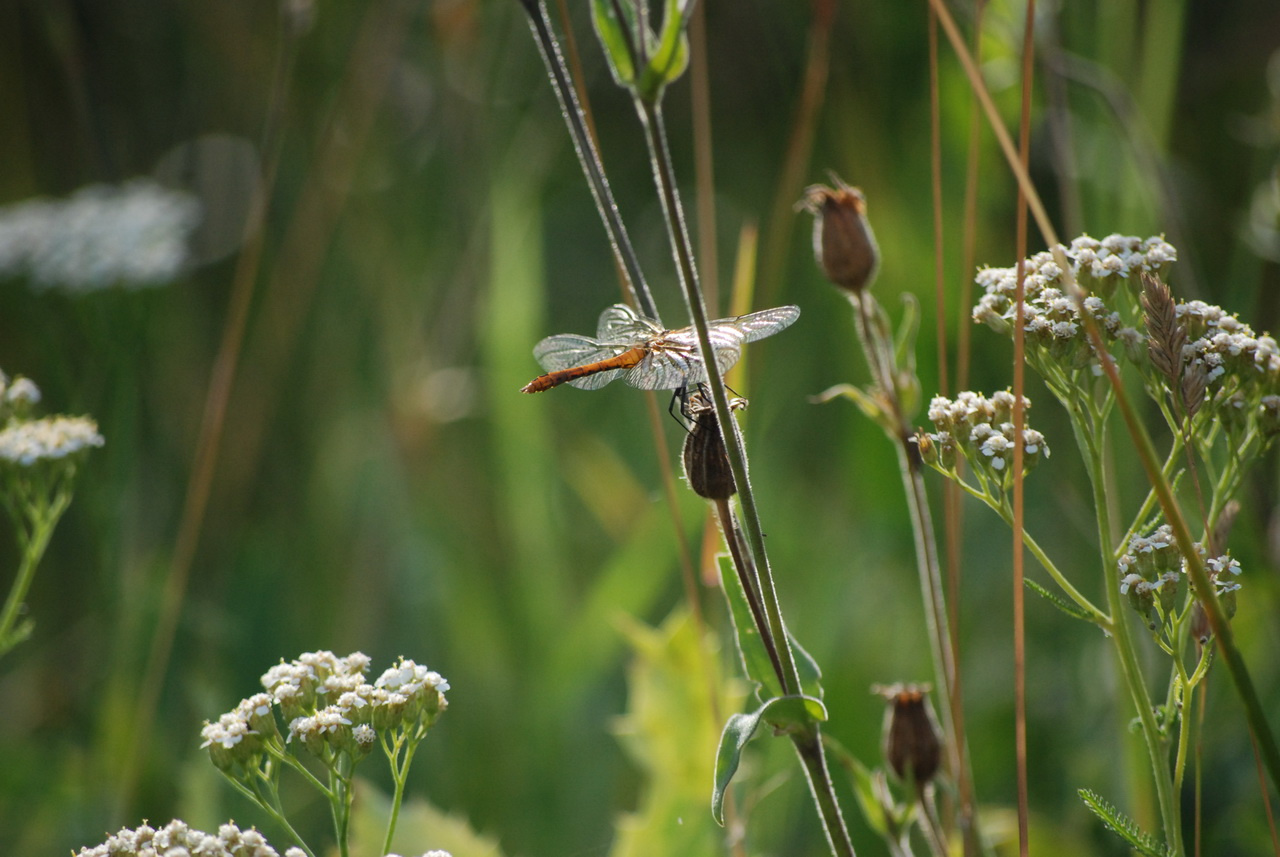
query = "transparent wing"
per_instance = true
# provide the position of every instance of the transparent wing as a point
(674, 361)
(758, 325)
(620, 324)
(566, 350)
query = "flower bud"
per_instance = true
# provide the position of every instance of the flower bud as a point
(843, 244)
(1200, 629)
(912, 742)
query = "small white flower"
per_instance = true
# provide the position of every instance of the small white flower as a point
(1064, 329)
(48, 438)
(1130, 581)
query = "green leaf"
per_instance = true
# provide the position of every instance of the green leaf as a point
(783, 713)
(614, 38)
(1119, 823)
(1061, 603)
(755, 658)
(810, 672)
(865, 791)
(671, 57)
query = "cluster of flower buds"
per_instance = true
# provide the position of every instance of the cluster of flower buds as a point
(177, 839)
(329, 707)
(1153, 575)
(981, 430)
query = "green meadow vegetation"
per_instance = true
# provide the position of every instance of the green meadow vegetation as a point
(291, 565)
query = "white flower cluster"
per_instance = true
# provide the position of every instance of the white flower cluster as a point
(981, 429)
(25, 443)
(402, 697)
(134, 234)
(177, 839)
(329, 707)
(1228, 346)
(1052, 317)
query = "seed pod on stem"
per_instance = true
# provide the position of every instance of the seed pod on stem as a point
(912, 741)
(843, 243)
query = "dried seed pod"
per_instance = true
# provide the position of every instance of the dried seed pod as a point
(912, 741)
(843, 243)
(706, 463)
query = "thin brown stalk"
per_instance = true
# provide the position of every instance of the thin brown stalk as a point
(953, 507)
(1019, 426)
(213, 420)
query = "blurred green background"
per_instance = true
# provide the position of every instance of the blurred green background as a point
(382, 486)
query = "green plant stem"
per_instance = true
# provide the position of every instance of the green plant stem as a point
(808, 746)
(33, 541)
(271, 808)
(808, 743)
(400, 774)
(650, 114)
(589, 157)
(1088, 438)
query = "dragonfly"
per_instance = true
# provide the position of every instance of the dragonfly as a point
(646, 355)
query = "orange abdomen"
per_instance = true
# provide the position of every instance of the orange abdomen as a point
(625, 360)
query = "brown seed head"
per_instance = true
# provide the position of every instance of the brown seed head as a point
(912, 741)
(1165, 334)
(706, 464)
(843, 243)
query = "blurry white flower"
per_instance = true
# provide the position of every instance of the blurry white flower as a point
(48, 438)
(134, 234)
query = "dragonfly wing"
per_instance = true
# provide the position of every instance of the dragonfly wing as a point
(621, 324)
(663, 370)
(726, 344)
(566, 350)
(758, 325)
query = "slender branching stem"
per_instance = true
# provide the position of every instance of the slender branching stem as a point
(1088, 437)
(33, 541)
(271, 806)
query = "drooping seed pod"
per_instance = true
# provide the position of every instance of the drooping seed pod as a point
(912, 741)
(843, 244)
(706, 463)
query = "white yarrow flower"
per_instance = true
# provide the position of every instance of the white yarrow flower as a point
(48, 438)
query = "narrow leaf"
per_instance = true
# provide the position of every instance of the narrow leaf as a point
(1061, 603)
(810, 672)
(1119, 823)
